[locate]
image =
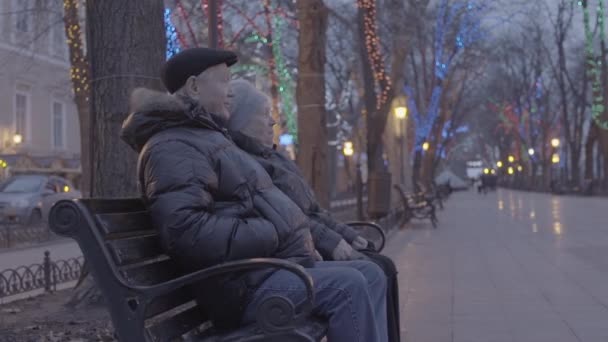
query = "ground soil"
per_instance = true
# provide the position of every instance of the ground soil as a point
(45, 318)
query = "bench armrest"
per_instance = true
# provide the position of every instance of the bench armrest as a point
(379, 231)
(236, 266)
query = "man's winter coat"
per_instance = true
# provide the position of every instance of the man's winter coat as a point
(210, 201)
(287, 177)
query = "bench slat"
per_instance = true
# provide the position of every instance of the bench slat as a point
(169, 302)
(177, 325)
(126, 223)
(152, 274)
(134, 250)
(105, 206)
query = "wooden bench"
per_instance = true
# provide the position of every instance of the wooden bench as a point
(429, 195)
(416, 208)
(149, 299)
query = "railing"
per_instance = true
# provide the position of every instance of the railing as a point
(46, 275)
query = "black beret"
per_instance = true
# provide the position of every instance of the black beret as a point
(192, 62)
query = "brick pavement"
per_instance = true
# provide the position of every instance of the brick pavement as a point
(509, 266)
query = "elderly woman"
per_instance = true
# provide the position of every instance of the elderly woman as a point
(251, 127)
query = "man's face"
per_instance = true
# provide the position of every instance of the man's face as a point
(211, 89)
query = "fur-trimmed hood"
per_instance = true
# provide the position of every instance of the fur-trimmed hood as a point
(154, 111)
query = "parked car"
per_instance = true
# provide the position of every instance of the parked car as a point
(27, 199)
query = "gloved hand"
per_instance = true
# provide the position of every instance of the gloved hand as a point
(344, 252)
(360, 243)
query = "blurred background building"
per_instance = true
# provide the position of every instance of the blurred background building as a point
(38, 117)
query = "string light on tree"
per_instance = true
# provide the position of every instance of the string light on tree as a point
(173, 45)
(463, 17)
(79, 70)
(372, 46)
(593, 65)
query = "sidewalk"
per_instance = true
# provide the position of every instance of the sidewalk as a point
(60, 249)
(509, 266)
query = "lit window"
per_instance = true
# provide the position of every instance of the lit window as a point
(21, 104)
(58, 122)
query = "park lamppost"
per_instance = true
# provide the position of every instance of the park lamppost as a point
(17, 138)
(348, 149)
(532, 172)
(555, 157)
(401, 114)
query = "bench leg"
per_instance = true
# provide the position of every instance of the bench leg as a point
(434, 220)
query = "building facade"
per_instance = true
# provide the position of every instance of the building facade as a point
(39, 127)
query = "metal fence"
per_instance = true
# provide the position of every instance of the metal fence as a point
(46, 275)
(12, 235)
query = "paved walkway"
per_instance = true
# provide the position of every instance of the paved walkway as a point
(61, 249)
(508, 266)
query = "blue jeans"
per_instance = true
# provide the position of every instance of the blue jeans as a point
(351, 295)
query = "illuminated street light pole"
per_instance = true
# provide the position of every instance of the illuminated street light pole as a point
(401, 114)
(555, 159)
(17, 139)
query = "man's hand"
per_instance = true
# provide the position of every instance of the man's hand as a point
(360, 243)
(344, 252)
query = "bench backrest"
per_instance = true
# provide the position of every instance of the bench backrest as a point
(124, 237)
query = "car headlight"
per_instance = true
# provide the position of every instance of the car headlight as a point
(22, 203)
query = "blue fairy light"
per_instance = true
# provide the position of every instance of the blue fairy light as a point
(171, 34)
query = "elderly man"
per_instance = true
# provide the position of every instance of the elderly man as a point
(213, 203)
(250, 126)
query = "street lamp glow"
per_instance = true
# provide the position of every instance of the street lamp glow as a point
(17, 139)
(531, 151)
(510, 170)
(486, 171)
(348, 149)
(499, 164)
(493, 171)
(511, 159)
(555, 158)
(555, 142)
(426, 146)
(401, 112)
(520, 168)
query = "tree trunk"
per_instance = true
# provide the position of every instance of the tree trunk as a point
(272, 73)
(603, 140)
(126, 44)
(310, 96)
(575, 170)
(589, 147)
